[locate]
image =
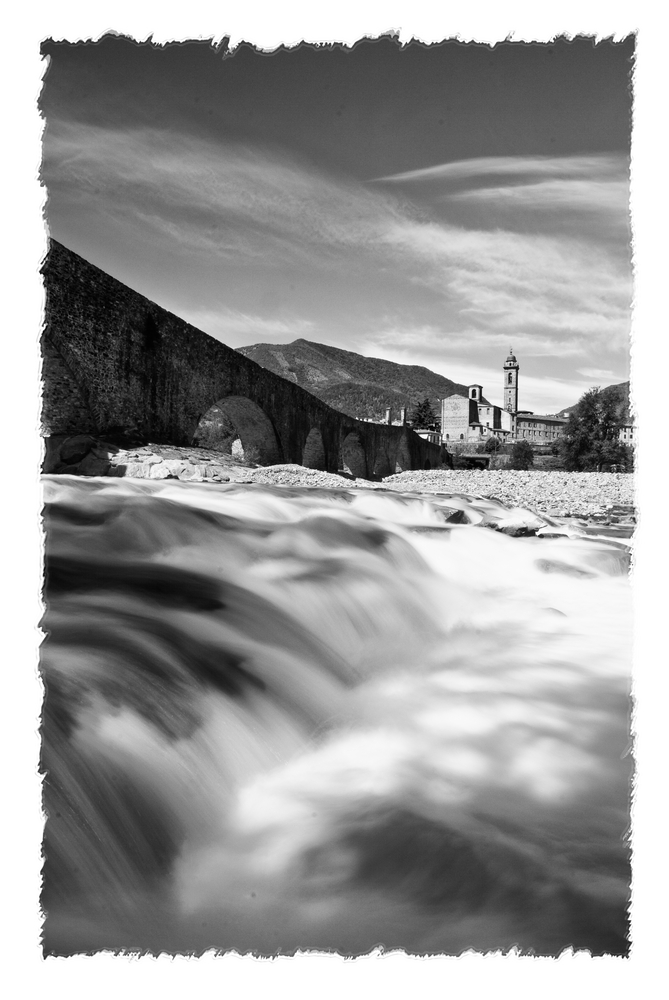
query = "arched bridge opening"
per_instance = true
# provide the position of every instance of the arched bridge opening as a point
(238, 426)
(313, 454)
(403, 455)
(116, 363)
(353, 458)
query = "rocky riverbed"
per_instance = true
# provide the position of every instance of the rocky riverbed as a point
(599, 497)
(596, 495)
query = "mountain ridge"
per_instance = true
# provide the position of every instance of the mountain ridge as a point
(352, 383)
(619, 392)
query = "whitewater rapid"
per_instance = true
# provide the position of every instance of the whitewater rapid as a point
(283, 718)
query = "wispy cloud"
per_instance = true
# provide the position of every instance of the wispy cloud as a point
(442, 344)
(554, 293)
(221, 198)
(516, 169)
(608, 195)
(603, 373)
(531, 242)
(533, 284)
(595, 185)
(231, 326)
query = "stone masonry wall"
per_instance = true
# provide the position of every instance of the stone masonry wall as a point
(119, 366)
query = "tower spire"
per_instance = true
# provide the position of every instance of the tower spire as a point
(510, 370)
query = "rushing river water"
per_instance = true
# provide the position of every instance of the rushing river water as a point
(282, 718)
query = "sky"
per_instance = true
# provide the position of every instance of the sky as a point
(432, 205)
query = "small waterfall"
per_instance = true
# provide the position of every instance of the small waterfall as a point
(288, 718)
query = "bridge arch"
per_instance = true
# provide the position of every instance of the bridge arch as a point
(120, 367)
(353, 457)
(238, 425)
(313, 453)
(403, 455)
(382, 465)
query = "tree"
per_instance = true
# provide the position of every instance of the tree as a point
(591, 436)
(522, 456)
(493, 444)
(423, 416)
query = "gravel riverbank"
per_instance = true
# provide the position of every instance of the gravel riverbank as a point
(604, 495)
(592, 495)
(563, 494)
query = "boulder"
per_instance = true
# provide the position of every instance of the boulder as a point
(175, 465)
(159, 471)
(75, 448)
(457, 517)
(52, 446)
(136, 470)
(216, 473)
(516, 530)
(103, 451)
(93, 466)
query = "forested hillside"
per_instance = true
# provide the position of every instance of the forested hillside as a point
(352, 383)
(619, 393)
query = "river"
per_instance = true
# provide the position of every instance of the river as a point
(280, 718)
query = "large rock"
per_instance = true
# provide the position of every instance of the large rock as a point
(104, 451)
(216, 472)
(52, 446)
(176, 465)
(75, 448)
(93, 466)
(193, 474)
(136, 470)
(159, 471)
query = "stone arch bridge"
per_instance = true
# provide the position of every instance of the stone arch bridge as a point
(118, 366)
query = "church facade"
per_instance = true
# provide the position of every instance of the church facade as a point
(471, 419)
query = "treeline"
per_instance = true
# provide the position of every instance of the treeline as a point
(352, 383)
(590, 440)
(370, 402)
(364, 401)
(616, 397)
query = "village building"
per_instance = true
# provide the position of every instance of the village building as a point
(625, 432)
(472, 419)
(434, 437)
(538, 428)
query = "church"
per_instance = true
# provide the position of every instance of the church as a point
(471, 419)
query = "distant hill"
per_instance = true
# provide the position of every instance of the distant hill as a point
(620, 393)
(351, 383)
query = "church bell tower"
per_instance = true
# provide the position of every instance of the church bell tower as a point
(511, 368)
